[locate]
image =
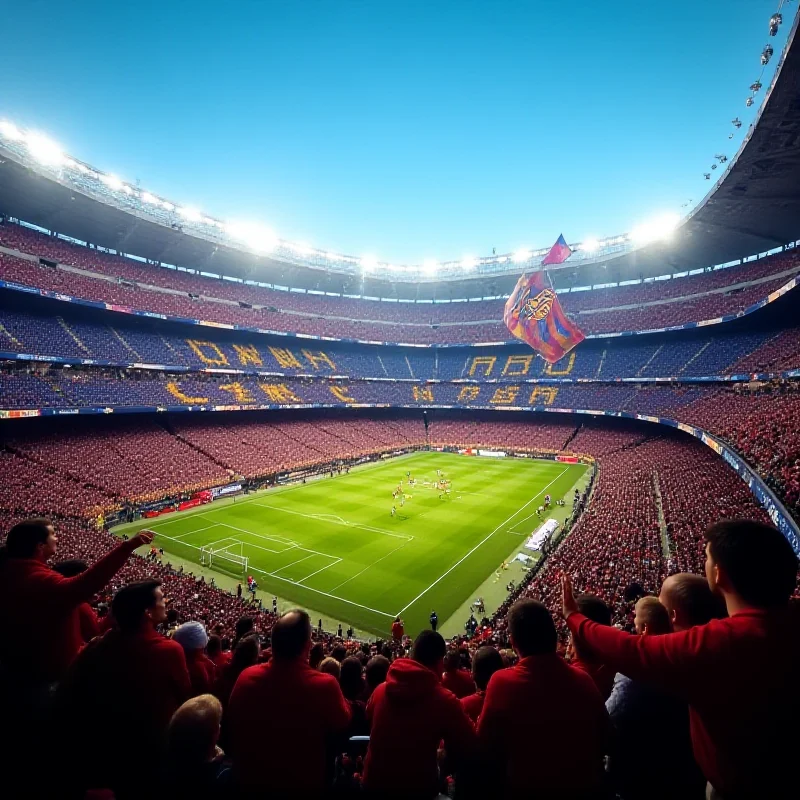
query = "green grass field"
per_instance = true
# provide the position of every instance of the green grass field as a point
(333, 546)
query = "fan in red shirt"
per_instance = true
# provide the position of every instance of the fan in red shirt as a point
(119, 695)
(485, 663)
(544, 729)
(455, 678)
(281, 714)
(739, 675)
(596, 610)
(411, 713)
(398, 631)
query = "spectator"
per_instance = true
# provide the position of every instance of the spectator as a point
(330, 666)
(689, 601)
(244, 626)
(218, 656)
(245, 655)
(120, 695)
(192, 637)
(484, 664)
(316, 655)
(375, 673)
(739, 675)
(652, 750)
(195, 766)
(398, 631)
(351, 681)
(558, 747)
(411, 713)
(457, 680)
(90, 624)
(281, 713)
(603, 676)
(40, 644)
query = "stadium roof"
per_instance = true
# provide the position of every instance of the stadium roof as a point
(754, 207)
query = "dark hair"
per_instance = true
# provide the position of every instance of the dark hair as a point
(132, 601)
(591, 606)
(339, 652)
(316, 655)
(693, 596)
(429, 648)
(485, 663)
(290, 634)
(245, 654)
(452, 660)
(71, 567)
(23, 538)
(214, 646)
(376, 670)
(633, 592)
(757, 558)
(351, 678)
(244, 625)
(531, 627)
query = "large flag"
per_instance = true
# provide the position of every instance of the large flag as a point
(533, 314)
(559, 252)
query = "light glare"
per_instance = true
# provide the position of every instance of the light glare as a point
(259, 238)
(522, 255)
(112, 181)
(10, 131)
(590, 245)
(44, 150)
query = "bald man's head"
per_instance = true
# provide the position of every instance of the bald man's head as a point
(291, 635)
(651, 618)
(689, 601)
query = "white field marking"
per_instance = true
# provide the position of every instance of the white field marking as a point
(295, 583)
(325, 594)
(517, 533)
(369, 566)
(197, 530)
(271, 537)
(269, 549)
(294, 544)
(327, 566)
(292, 563)
(330, 518)
(480, 543)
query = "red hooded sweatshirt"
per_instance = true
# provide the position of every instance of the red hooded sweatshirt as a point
(410, 714)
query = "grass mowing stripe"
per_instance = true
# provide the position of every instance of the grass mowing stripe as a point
(482, 542)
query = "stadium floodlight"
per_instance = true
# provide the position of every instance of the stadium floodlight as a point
(522, 255)
(146, 197)
(44, 150)
(257, 237)
(10, 131)
(190, 214)
(656, 229)
(301, 248)
(167, 206)
(112, 181)
(590, 245)
(430, 266)
(469, 262)
(368, 263)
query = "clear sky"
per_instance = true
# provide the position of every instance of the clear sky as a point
(405, 129)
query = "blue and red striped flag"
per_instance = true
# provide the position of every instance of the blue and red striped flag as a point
(559, 252)
(533, 314)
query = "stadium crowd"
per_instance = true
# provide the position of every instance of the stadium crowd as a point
(657, 304)
(289, 701)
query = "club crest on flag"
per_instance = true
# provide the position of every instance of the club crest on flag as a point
(537, 307)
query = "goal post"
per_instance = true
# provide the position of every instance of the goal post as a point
(231, 557)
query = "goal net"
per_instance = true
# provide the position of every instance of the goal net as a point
(231, 557)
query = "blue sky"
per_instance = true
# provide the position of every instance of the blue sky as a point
(407, 130)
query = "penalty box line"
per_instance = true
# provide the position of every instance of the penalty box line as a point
(287, 580)
(480, 544)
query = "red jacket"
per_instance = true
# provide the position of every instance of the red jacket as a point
(740, 678)
(117, 698)
(40, 616)
(545, 726)
(601, 674)
(397, 631)
(202, 671)
(473, 705)
(459, 682)
(277, 722)
(410, 714)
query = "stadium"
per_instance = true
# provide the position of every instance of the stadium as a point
(252, 426)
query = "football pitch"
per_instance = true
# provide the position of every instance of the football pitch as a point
(332, 545)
